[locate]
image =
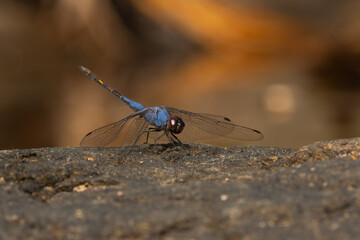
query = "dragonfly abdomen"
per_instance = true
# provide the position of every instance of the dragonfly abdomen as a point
(134, 105)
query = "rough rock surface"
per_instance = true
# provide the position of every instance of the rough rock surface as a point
(191, 192)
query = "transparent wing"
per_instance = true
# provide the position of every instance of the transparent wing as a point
(134, 132)
(105, 135)
(202, 126)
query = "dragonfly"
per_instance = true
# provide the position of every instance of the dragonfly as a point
(162, 124)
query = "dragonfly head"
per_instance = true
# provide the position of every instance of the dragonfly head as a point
(176, 125)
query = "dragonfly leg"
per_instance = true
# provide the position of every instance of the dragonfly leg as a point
(172, 140)
(151, 129)
(147, 135)
(176, 138)
(159, 137)
(138, 137)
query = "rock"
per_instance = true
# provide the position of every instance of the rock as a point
(190, 192)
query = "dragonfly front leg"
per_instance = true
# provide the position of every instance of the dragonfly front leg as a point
(176, 138)
(172, 140)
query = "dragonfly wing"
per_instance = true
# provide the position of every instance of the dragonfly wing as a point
(135, 127)
(202, 125)
(105, 135)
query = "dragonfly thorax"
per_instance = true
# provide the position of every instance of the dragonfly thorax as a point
(176, 125)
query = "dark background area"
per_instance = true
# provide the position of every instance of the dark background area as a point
(290, 69)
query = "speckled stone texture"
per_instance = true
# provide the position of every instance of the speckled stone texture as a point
(189, 192)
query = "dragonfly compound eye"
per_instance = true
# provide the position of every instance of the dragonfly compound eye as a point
(176, 125)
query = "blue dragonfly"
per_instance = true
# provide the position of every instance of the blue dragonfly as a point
(161, 123)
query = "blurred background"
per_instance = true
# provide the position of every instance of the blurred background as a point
(289, 68)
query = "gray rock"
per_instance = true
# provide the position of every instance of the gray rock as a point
(190, 192)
